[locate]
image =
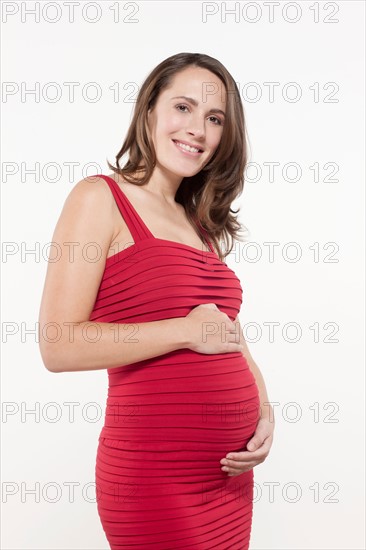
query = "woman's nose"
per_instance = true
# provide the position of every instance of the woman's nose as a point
(197, 131)
(196, 127)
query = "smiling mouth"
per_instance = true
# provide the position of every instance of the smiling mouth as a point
(187, 148)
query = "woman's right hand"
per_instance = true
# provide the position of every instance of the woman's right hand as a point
(211, 331)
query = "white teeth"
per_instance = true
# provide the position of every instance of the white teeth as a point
(187, 147)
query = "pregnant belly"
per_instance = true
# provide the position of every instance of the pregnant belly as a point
(181, 401)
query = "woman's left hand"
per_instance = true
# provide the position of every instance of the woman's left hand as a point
(258, 446)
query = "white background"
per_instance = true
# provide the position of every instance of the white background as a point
(320, 456)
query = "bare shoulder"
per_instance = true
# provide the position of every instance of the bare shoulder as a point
(81, 240)
(92, 199)
(92, 189)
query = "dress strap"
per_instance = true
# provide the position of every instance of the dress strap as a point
(135, 224)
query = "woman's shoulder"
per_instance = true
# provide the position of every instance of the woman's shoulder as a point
(91, 188)
(92, 196)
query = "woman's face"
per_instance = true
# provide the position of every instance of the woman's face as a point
(197, 121)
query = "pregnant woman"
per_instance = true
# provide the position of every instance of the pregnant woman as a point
(187, 415)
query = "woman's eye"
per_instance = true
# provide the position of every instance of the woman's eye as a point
(217, 120)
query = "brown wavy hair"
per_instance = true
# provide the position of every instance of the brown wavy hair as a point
(206, 196)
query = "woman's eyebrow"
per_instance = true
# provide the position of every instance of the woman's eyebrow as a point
(195, 103)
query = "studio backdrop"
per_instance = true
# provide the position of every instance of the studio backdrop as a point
(71, 72)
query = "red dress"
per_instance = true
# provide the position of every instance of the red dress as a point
(169, 420)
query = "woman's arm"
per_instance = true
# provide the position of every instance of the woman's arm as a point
(266, 408)
(67, 340)
(114, 345)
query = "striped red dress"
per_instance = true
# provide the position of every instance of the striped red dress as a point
(169, 420)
